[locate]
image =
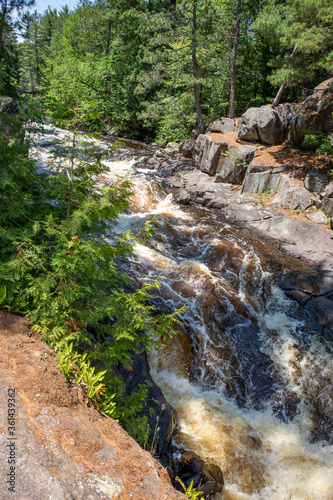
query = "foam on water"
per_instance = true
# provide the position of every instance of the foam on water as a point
(261, 456)
(218, 273)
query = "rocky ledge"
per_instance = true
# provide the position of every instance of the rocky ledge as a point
(282, 193)
(64, 450)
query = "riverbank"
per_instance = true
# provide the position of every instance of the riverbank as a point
(65, 449)
(294, 232)
(244, 371)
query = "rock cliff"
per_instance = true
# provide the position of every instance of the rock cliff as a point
(61, 448)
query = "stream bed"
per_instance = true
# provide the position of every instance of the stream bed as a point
(249, 373)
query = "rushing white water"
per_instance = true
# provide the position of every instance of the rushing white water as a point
(250, 385)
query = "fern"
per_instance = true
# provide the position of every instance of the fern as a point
(58, 271)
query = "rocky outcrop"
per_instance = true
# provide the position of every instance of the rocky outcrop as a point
(222, 126)
(291, 120)
(64, 450)
(235, 163)
(260, 178)
(327, 206)
(207, 154)
(186, 148)
(313, 115)
(315, 181)
(293, 195)
(261, 124)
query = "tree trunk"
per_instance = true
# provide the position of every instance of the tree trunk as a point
(233, 68)
(201, 122)
(278, 96)
(107, 47)
(2, 25)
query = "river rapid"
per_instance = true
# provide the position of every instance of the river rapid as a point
(249, 376)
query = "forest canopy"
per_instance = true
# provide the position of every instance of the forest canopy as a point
(158, 69)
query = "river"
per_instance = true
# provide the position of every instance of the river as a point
(249, 376)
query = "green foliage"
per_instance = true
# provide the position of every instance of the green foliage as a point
(320, 141)
(190, 492)
(305, 23)
(58, 270)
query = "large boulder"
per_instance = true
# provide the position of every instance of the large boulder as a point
(8, 105)
(235, 163)
(327, 206)
(261, 124)
(314, 115)
(329, 190)
(306, 121)
(222, 126)
(260, 179)
(207, 154)
(291, 120)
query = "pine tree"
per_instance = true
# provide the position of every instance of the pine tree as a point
(302, 24)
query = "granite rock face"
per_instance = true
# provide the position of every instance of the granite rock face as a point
(234, 165)
(313, 115)
(291, 120)
(222, 126)
(261, 124)
(65, 450)
(207, 154)
(315, 181)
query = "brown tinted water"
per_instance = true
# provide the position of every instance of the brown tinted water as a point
(248, 373)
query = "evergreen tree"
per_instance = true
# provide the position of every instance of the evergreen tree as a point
(302, 24)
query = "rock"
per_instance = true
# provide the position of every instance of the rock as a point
(174, 146)
(144, 162)
(183, 197)
(261, 178)
(286, 111)
(206, 476)
(261, 124)
(160, 153)
(329, 190)
(293, 195)
(208, 155)
(317, 216)
(160, 414)
(66, 450)
(235, 163)
(323, 307)
(315, 180)
(313, 115)
(306, 120)
(186, 148)
(327, 206)
(291, 121)
(222, 125)
(8, 105)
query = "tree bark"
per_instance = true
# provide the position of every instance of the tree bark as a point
(2, 25)
(107, 47)
(201, 121)
(233, 67)
(278, 96)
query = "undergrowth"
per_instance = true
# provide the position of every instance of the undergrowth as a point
(58, 270)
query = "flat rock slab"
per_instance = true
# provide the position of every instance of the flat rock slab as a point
(311, 241)
(64, 450)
